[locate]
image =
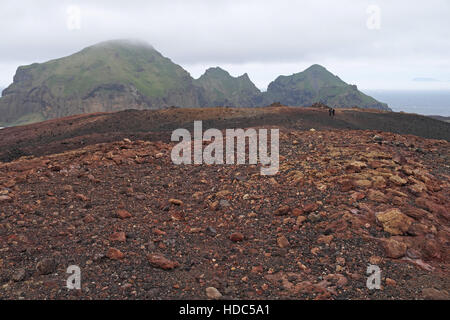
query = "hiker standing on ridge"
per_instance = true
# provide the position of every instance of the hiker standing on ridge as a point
(331, 112)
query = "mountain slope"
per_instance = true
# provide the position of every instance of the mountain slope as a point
(109, 76)
(317, 84)
(124, 74)
(221, 89)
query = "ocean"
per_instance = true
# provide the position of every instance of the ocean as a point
(431, 103)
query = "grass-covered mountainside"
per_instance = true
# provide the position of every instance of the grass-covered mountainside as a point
(317, 84)
(109, 76)
(123, 74)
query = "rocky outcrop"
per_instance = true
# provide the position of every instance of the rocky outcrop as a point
(219, 88)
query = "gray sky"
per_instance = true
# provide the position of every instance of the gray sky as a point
(378, 44)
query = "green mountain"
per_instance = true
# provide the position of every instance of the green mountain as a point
(317, 84)
(221, 89)
(124, 74)
(109, 76)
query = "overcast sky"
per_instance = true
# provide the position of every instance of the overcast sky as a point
(378, 44)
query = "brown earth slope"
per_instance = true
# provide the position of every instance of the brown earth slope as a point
(140, 227)
(74, 132)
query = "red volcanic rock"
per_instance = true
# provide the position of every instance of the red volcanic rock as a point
(236, 237)
(397, 180)
(46, 266)
(434, 294)
(89, 219)
(347, 185)
(309, 207)
(176, 202)
(394, 221)
(394, 249)
(257, 269)
(123, 214)
(433, 207)
(4, 198)
(377, 196)
(415, 213)
(81, 197)
(283, 242)
(115, 254)
(356, 166)
(159, 261)
(118, 236)
(283, 210)
(430, 249)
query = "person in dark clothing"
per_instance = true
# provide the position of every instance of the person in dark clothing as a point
(331, 112)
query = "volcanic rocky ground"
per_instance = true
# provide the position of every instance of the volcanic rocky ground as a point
(59, 135)
(140, 227)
